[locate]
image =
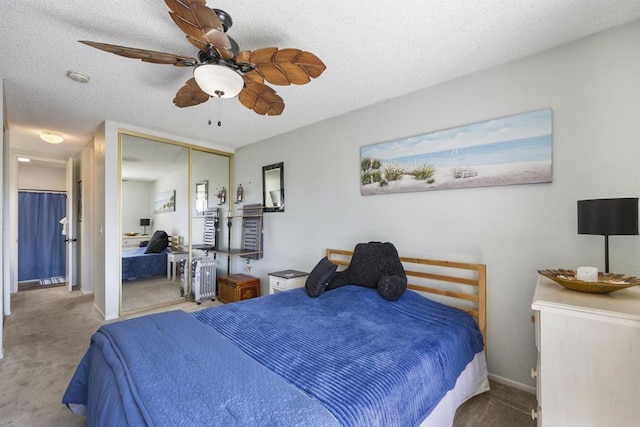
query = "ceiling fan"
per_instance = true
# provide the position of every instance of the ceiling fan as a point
(221, 70)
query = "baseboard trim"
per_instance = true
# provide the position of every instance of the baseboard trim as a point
(511, 383)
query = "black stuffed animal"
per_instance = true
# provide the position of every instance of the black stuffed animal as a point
(374, 265)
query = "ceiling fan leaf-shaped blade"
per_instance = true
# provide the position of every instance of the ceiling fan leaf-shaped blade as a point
(286, 66)
(273, 74)
(189, 95)
(261, 99)
(205, 17)
(263, 56)
(199, 44)
(188, 28)
(200, 23)
(311, 63)
(287, 55)
(252, 76)
(244, 56)
(296, 74)
(143, 54)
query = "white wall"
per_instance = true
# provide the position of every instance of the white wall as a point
(41, 178)
(137, 200)
(85, 235)
(102, 197)
(4, 196)
(174, 223)
(592, 85)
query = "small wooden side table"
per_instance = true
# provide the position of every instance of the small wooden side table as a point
(237, 287)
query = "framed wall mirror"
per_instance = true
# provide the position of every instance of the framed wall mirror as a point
(202, 197)
(273, 187)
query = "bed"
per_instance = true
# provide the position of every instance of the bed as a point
(136, 264)
(348, 357)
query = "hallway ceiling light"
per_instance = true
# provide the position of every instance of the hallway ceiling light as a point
(24, 159)
(51, 138)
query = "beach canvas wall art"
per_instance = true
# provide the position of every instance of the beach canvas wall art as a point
(506, 151)
(165, 202)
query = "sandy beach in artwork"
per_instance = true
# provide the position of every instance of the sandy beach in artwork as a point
(487, 175)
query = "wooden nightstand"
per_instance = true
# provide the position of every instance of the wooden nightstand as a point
(281, 281)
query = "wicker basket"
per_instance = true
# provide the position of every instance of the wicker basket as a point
(607, 282)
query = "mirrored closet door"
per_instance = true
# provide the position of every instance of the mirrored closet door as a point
(167, 187)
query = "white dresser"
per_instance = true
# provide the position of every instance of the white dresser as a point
(588, 371)
(132, 242)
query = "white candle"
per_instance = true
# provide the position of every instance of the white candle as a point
(587, 274)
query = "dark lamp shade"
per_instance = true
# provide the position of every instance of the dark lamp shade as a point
(608, 217)
(145, 222)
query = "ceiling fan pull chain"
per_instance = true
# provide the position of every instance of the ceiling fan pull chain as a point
(218, 112)
(218, 108)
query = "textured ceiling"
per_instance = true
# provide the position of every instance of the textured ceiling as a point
(374, 50)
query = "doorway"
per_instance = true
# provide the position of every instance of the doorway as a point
(41, 237)
(33, 175)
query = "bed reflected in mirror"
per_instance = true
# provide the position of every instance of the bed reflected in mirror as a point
(273, 187)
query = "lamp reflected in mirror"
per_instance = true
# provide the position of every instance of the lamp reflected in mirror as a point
(145, 222)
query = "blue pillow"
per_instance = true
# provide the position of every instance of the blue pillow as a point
(320, 277)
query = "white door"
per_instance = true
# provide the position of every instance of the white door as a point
(71, 239)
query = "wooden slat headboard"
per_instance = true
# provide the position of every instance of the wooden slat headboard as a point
(175, 243)
(458, 284)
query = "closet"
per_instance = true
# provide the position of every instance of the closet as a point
(172, 185)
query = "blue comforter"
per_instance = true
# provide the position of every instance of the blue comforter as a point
(170, 369)
(346, 358)
(137, 265)
(369, 361)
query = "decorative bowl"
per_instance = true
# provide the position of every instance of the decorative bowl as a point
(131, 234)
(607, 282)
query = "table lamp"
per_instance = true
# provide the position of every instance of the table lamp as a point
(608, 217)
(145, 222)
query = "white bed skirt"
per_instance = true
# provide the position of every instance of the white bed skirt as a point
(472, 381)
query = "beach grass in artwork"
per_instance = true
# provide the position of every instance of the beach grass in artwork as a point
(165, 202)
(507, 151)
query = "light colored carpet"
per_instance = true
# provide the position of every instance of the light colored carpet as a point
(48, 332)
(140, 293)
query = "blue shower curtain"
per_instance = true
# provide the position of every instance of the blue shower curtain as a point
(41, 247)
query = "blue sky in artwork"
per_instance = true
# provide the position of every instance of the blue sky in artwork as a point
(522, 137)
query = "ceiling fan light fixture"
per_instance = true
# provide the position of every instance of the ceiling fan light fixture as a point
(218, 80)
(51, 138)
